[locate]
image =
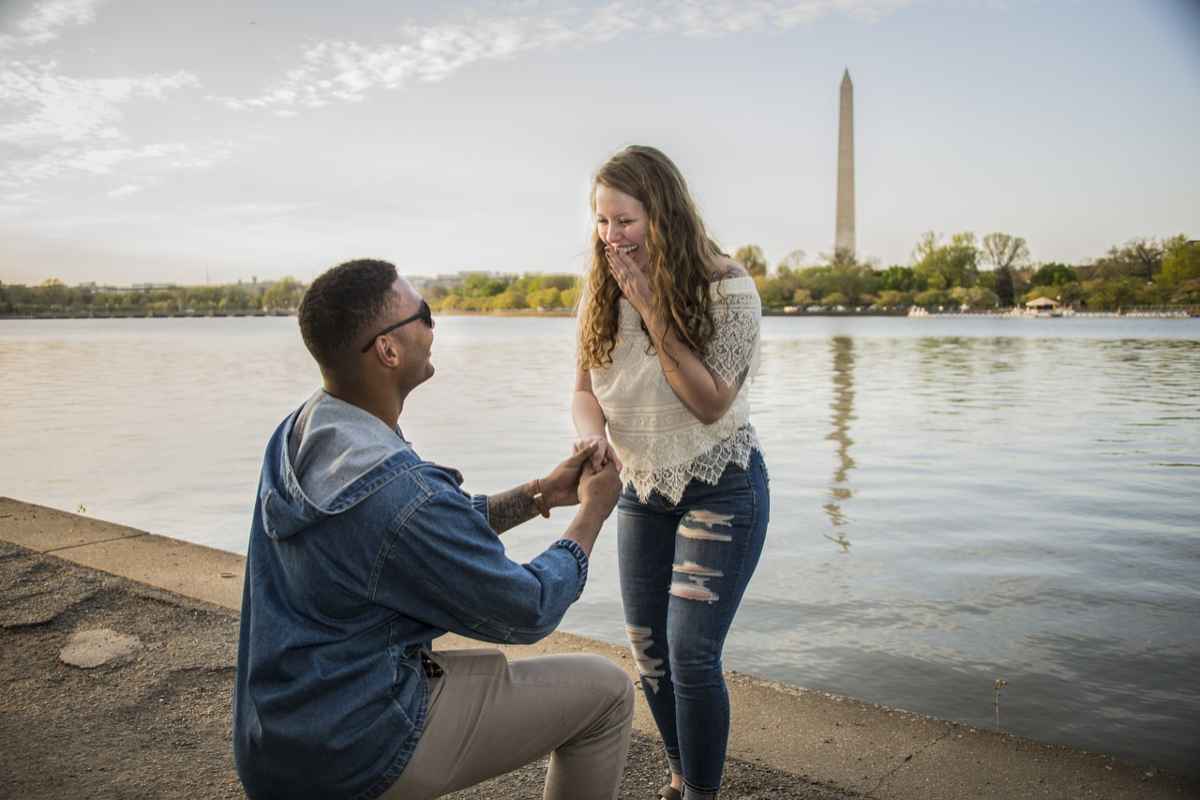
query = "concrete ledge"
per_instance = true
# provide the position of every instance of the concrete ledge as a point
(859, 747)
(192, 570)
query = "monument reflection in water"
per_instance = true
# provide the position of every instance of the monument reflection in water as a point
(842, 404)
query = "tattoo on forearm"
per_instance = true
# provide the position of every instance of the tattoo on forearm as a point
(509, 509)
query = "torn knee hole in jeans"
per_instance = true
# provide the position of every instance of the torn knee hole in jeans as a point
(640, 640)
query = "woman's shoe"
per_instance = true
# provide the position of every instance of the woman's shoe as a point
(669, 792)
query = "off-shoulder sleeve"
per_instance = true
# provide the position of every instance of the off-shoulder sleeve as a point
(733, 350)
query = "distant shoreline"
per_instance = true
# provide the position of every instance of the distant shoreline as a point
(1177, 314)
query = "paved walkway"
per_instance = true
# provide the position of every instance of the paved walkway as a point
(147, 715)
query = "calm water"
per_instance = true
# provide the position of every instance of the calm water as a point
(954, 501)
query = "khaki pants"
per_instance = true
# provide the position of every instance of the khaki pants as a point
(488, 717)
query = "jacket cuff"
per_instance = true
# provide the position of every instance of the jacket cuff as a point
(580, 557)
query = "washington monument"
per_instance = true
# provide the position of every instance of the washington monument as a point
(844, 237)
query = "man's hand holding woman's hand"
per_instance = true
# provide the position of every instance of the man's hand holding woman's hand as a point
(561, 486)
(576, 481)
(599, 490)
(602, 451)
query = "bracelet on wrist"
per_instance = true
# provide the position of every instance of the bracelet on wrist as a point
(539, 499)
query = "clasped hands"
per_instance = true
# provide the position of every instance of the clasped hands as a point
(588, 476)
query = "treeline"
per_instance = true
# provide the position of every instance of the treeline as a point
(54, 297)
(482, 292)
(959, 272)
(995, 272)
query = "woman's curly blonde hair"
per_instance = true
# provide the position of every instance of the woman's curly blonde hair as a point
(682, 257)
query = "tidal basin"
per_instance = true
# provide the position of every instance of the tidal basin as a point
(955, 501)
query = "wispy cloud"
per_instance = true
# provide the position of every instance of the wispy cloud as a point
(344, 71)
(126, 190)
(108, 160)
(338, 71)
(63, 124)
(43, 23)
(60, 108)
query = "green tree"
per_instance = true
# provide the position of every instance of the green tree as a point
(1054, 274)
(773, 293)
(1187, 293)
(53, 293)
(792, 262)
(562, 282)
(480, 285)
(976, 297)
(1181, 262)
(545, 298)
(283, 295)
(890, 298)
(235, 298)
(1004, 287)
(898, 279)
(1004, 251)
(1141, 258)
(1111, 294)
(943, 266)
(840, 258)
(751, 257)
(931, 297)
(507, 301)
(1070, 293)
(834, 299)
(569, 297)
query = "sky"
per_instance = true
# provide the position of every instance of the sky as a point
(160, 140)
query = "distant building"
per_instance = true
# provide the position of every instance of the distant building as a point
(96, 288)
(844, 234)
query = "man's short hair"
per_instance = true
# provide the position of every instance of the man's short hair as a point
(341, 305)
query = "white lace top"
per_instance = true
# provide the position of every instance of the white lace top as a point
(661, 444)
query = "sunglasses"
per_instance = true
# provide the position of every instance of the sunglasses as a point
(425, 315)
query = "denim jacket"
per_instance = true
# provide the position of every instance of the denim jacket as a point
(354, 566)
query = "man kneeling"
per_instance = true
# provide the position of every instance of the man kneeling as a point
(361, 554)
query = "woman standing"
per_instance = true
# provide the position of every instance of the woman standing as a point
(668, 335)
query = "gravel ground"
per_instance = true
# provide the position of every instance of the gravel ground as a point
(154, 723)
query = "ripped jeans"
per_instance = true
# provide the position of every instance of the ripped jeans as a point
(683, 571)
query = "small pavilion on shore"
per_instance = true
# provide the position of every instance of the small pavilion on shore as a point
(1042, 304)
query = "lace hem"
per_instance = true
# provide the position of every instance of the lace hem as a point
(670, 482)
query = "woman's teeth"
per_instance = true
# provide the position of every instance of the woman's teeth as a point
(627, 248)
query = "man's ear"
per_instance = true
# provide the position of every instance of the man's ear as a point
(388, 352)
